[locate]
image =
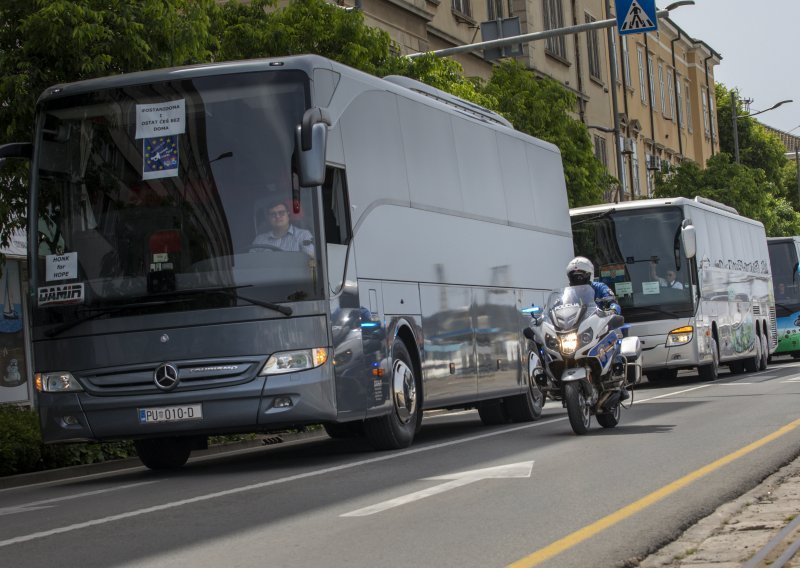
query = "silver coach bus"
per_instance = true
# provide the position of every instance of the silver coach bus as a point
(168, 304)
(693, 280)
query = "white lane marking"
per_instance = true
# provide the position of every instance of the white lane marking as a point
(671, 393)
(325, 471)
(46, 503)
(514, 470)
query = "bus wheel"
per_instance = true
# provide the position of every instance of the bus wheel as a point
(163, 453)
(526, 406)
(710, 372)
(396, 429)
(752, 364)
(762, 365)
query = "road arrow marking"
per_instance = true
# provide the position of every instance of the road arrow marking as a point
(46, 503)
(514, 470)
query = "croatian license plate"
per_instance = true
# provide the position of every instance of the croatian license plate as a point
(170, 414)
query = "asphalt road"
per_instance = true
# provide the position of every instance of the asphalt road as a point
(464, 495)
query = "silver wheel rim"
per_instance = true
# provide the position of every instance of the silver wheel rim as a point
(404, 391)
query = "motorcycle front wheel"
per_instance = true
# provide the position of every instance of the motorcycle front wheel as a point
(578, 410)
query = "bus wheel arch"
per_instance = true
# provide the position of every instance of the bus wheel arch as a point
(397, 428)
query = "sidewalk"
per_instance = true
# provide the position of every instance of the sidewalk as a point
(761, 528)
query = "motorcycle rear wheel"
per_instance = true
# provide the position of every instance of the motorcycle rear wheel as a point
(580, 415)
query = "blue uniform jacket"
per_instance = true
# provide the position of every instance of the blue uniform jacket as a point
(602, 291)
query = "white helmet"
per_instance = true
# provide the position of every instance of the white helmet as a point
(580, 271)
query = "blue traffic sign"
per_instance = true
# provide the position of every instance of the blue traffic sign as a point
(636, 16)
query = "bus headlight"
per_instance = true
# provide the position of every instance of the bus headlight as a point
(680, 336)
(292, 361)
(569, 343)
(56, 382)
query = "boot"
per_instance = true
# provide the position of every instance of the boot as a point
(623, 394)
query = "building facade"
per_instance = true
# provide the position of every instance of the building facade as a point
(664, 80)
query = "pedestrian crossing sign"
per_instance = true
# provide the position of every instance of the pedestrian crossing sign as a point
(636, 16)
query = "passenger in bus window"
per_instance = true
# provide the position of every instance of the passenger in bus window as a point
(669, 282)
(283, 235)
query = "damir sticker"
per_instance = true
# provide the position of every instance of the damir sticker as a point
(64, 294)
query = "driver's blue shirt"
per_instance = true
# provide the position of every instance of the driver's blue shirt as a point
(603, 291)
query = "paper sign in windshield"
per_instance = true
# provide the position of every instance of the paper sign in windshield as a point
(160, 157)
(61, 266)
(623, 288)
(650, 287)
(161, 119)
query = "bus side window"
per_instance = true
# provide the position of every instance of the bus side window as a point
(336, 213)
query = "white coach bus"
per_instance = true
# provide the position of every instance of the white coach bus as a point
(692, 277)
(170, 305)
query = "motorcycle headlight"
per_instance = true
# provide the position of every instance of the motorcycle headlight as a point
(569, 343)
(680, 336)
(292, 361)
(552, 342)
(587, 336)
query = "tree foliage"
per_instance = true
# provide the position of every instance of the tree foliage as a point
(744, 188)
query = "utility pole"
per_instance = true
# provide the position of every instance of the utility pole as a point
(612, 62)
(734, 122)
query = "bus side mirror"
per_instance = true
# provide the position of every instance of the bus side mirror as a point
(689, 241)
(311, 138)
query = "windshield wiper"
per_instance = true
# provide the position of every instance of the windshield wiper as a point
(229, 291)
(657, 310)
(166, 298)
(100, 311)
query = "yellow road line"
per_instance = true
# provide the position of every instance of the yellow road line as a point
(589, 531)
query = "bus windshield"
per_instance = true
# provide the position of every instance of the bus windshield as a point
(166, 191)
(638, 254)
(785, 278)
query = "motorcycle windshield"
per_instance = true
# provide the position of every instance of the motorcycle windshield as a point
(566, 306)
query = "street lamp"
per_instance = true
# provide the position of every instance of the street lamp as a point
(735, 116)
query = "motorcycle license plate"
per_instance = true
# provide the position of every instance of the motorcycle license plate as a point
(163, 414)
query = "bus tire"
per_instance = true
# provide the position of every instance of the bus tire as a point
(163, 453)
(396, 429)
(764, 363)
(751, 364)
(527, 406)
(710, 372)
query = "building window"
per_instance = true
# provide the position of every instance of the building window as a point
(711, 116)
(704, 94)
(554, 19)
(600, 150)
(661, 88)
(642, 85)
(650, 173)
(462, 7)
(681, 114)
(593, 46)
(635, 170)
(652, 78)
(626, 61)
(494, 9)
(687, 101)
(671, 91)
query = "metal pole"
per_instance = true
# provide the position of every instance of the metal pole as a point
(612, 62)
(797, 163)
(526, 38)
(734, 120)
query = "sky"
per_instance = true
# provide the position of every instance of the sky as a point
(758, 43)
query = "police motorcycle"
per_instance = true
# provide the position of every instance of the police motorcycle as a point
(581, 355)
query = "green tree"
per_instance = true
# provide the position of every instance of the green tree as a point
(45, 42)
(541, 107)
(746, 189)
(758, 147)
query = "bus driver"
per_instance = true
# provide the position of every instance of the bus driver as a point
(283, 235)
